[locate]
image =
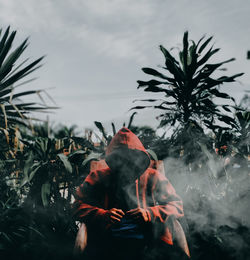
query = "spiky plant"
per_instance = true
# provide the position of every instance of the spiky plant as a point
(189, 86)
(14, 73)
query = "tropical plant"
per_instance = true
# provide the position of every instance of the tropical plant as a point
(45, 169)
(12, 75)
(189, 87)
(16, 226)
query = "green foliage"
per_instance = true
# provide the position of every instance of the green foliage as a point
(44, 170)
(12, 109)
(189, 87)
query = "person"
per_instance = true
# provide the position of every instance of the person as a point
(130, 210)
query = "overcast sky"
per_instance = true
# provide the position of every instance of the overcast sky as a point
(95, 48)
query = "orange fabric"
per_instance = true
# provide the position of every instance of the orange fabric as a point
(162, 202)
(95, 165)
(127, 138)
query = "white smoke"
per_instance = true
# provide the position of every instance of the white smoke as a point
(216, 202)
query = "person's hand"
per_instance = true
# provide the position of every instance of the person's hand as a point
(139, 214)
(114, 215)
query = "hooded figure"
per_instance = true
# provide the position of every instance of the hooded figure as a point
(130, 211)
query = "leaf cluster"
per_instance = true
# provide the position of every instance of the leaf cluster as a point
(189, 86)
(13, 74)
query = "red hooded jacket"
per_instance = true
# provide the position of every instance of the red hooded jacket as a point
(153, 192)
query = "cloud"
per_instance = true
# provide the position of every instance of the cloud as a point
(123, 29)
(98, 46)
(108, 27)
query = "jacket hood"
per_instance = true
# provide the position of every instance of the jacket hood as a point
(126, 148)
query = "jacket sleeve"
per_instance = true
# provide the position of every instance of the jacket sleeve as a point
(87, 206)
(165, 200)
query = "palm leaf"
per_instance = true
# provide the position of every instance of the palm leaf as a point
(131, 119)
(156, 74)
(185, 51)
(10, 74)
(204, 45)
(190, 90)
